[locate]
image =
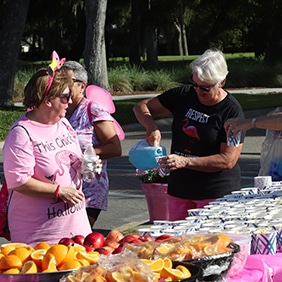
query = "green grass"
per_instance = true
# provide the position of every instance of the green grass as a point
(124, 113)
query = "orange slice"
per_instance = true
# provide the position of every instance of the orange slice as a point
(21, 252)
(29, 267)
(84, 262)
(59, 251)
(10, 261)
(211, 250)
(42, 245)
(167, 263)
(49, 262)
(184, 270)
(157, 265)
(11, 271)
(92, 257)
(170, 273)
(70, 265)
(37, 256)
(7, 248)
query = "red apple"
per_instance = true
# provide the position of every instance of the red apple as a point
(146, 238)
(129, 238)
(136, 241)
(112, 243)
(67, 241)
(79, 239)
(114, 235)
(88, 248)
(117, 250)
(104, 251)
(163, 237)
(94, 239)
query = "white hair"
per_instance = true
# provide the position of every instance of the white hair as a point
(210, 67)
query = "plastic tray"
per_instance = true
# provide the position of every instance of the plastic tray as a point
(214, 267)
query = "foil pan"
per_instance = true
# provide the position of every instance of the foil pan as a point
(35, 277)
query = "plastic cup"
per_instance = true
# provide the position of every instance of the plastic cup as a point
(234, 141)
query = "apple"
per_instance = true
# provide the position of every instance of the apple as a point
(105, 250)
(111, 243)
(117, 250)
(79, 239)
(146, 238)
(163, 237)
(94, 239)
(67, 241)
(115, 235)
(136, 241)
(129, 238)
(88, 248)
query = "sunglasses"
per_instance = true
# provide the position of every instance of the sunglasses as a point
(76, 80)
(65, 97)
(207, 89)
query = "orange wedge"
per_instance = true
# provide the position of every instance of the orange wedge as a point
(157, 265)
(42, 245)
(10, 261)
(11, 271)
(170, 273)
(71, 264)
(92, 257)
(29, 267)
(184, 270)
(21, 252)
(49, 262)
(37, 256)
(59, 251)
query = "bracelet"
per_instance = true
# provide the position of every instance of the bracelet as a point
(57, 192)
(254, 120)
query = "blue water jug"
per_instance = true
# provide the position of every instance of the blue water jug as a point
(143, 156)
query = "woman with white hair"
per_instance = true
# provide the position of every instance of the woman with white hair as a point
(202, 167)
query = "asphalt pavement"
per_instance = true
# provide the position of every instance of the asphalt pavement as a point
(127, 206)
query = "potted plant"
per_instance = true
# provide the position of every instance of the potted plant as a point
(154, 186)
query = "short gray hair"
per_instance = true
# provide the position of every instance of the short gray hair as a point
(210, 67)
(78, 70)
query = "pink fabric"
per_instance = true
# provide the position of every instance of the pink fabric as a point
(96, 192)
(260, 268)
(178, 207)
(50, 153)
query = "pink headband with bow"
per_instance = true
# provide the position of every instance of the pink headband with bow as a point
(55, 65)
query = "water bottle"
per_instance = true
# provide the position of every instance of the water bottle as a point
(89, 166)
(143, 156)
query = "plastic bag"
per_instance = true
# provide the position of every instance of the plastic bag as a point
(271, 153)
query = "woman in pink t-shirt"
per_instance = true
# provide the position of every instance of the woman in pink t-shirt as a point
(42, 165)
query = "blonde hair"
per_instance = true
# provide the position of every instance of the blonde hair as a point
(210, 67)
(34, 91)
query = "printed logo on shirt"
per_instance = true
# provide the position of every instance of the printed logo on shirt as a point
(191, 130)
(65, 210)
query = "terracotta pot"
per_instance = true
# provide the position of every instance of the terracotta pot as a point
(156, 196)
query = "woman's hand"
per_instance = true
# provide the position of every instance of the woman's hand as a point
(173, 162)
(70, 195)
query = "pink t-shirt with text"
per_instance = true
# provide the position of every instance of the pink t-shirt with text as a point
(49, 153)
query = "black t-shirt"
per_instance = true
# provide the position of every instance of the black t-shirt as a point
(197, 130)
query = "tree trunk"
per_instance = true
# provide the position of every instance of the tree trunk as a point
(135, 33)
(12, 22)
(95, 50)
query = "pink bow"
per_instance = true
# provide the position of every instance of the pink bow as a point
(55, 65)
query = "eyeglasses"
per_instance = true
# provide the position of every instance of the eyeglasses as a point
(65, 97)
(207, 89)
(76, 80)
